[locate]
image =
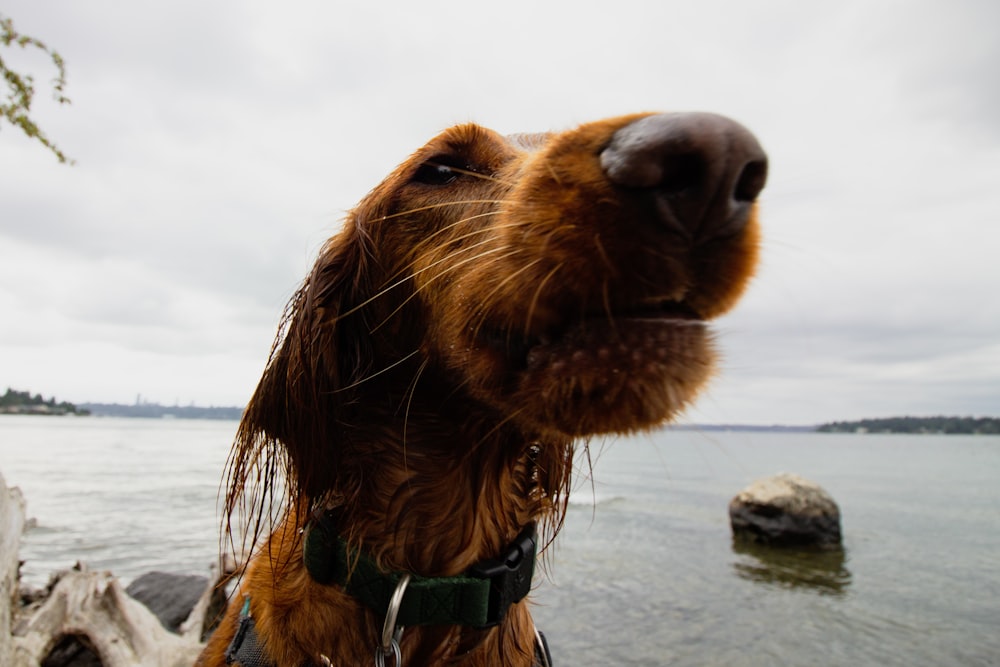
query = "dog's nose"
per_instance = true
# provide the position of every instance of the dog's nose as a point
(702, 171)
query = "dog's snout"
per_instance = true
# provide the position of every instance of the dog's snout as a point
(702, 171)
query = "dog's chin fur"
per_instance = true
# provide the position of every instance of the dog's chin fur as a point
(606, 377)
(431, 374)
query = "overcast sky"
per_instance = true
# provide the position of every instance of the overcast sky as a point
(219, 143)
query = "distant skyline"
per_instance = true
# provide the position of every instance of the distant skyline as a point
(218, 144)
(143, 407)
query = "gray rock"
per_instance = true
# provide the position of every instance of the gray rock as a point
(171, 597)
(786, 510)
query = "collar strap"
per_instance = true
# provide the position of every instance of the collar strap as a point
(479, 598)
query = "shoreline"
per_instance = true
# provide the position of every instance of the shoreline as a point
(83, 611)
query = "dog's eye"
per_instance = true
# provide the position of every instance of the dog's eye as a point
(438, 171)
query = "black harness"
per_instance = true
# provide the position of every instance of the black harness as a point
(479, 598)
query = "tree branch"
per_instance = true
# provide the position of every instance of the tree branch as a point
(16, 107)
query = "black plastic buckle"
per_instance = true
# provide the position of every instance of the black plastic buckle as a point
(510, 576)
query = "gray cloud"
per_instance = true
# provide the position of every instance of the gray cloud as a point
(218, 145)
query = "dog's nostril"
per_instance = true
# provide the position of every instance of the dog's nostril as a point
(751, 181)
(700, 170)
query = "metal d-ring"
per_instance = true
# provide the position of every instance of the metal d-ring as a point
(392, 633)
(396, 655)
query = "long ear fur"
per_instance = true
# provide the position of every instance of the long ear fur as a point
(287, 445)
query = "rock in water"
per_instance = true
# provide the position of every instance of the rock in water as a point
(786, 510)
(170, 596)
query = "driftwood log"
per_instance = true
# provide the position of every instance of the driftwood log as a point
(87, 606)
(11, 525)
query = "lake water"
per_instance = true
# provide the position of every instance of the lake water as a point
(645, 572)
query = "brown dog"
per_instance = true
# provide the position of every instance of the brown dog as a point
(492, 300)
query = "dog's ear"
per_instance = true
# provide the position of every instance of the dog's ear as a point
(289, 432)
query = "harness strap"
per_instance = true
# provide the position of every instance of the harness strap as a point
(245, 649)
(479, 598)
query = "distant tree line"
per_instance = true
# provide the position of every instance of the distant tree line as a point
(157, 411)
(25, 403)
(948, 425)
(22, 402)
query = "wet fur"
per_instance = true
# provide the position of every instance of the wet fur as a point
(433, 371)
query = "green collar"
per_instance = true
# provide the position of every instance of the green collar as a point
(479, 598)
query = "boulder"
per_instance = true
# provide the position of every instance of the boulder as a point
(786, 510)
(171, 597)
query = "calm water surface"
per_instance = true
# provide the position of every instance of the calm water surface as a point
(645, 572)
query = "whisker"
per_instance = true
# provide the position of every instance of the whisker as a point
(406, 413)
(439, 275)
(377, 373)
(604, 254)
(445, 272)
(466, 219)
(488, 297)
(399, 282)
(443, 204)
(660, 254)
(606, 298)
(490, 178)
(555, 231)
(537, 295)
(462, 237)
(503, 422)
(402, 281)
(593, 485)
(476, 174)
(552, 172)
